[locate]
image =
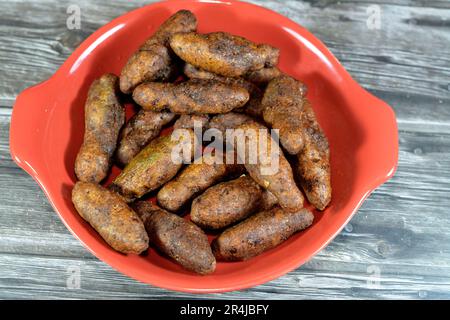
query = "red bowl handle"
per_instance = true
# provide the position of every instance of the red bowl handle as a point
(382, 133)
(27, 129)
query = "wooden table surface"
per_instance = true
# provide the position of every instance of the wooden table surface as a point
(397, 245)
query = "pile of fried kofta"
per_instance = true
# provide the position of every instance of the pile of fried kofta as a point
(228, 82)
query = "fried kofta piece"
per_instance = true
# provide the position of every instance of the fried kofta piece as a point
(178, 238)
(313, 166)
(259, 77)
(103, 116)
(260, 232)
(285, 88)
(180, 22)
(143, 127)
(283, 107)
(223, 53)
(190, 121)
(268, 200)
(227, 203)
(219, 124)
(154, 61)
(253, 107)
(287, 109)
(149, 63)
(266, 164)
(155, 165)
(111, 217)
(262, 76)
(191, 97)
(230, 120)
(195, 178)
(193, 72)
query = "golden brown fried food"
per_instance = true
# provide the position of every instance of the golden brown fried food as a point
(143, 127)
(222, 53)
(153, 60)
(269, 168)
(189, 121)
(253, 106)
(284, 89)
(104, 116)
(194, 179)
(178, 238)
(261, 232)
(268, 201)
(107, 213)
(259, 77)
(152, 63)
(193, 72)
(228, 202)
(283, 107)
(222, 122)
(287, 109)
(262, 76)
(180, 22)
(230, 120)
(314, 161)
(154, 165)
(191, 97)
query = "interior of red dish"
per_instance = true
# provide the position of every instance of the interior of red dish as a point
(354, 121)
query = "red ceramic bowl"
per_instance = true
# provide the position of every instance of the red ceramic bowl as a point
(47, 130)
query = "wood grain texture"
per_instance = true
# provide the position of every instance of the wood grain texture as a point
(402, 230)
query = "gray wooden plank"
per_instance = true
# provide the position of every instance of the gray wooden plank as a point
(35, 277)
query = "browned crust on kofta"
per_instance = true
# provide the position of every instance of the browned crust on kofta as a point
(227, 203)
(219, 124)
(285, 88)
(191, 97)
(143, 127)
(283, 106)
(193, 72)
(259, 77)
(313, 164)
(104, 116)
(223, 53)
(150, 64)
(154, 61)
(253, 107)
(178, 238)
(190, 121)
(287, 110)
(154, 165)
(268, 200)
(260, 232)
(263, 76)
(194, 179)
(111, 217)
(278, 179)
(230, 120)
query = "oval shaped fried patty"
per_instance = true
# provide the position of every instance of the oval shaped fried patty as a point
(191, 97)
(104, 116)
(111, 217)
(259, 233)
(227, 203)
(178, 238)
